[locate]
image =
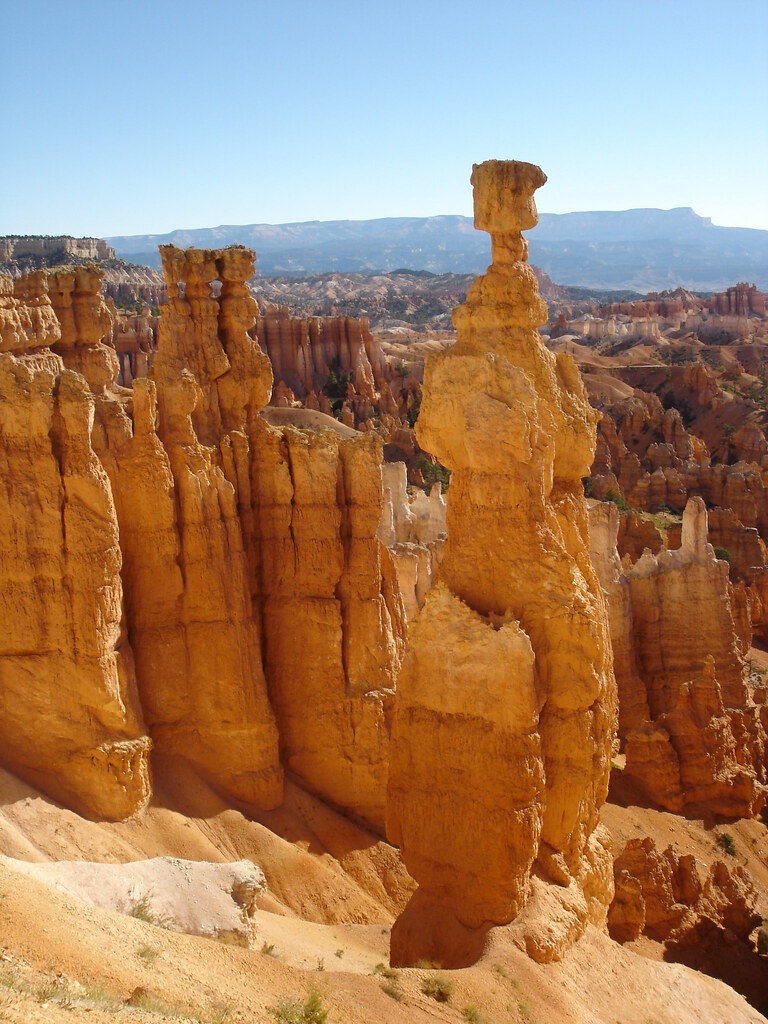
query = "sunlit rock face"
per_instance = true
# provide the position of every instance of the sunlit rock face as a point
(693, 735)
(506, 702)
(70, 720)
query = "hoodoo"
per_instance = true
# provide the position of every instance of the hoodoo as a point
(506, 701)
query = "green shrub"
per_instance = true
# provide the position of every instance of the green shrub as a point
(438, 988)
(293, 1011)
(618, 500)
(433, 472)
(722, 553)
(414, 408)
(473, 1015)
(726, 843)
(141, 911)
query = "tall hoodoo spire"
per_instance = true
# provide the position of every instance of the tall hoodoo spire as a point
(506, 702)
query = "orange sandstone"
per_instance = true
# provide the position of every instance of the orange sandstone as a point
(506, 701)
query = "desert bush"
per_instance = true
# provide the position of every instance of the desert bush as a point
(438, 988)
(432, 472)
(618, 500)
(391, 987)
(473, 1015)
(141, 911)
(726, 843)
(293, 1011)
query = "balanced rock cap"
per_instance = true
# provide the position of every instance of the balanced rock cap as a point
(503, 195)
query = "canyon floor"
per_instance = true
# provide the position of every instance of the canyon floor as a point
(323, 925)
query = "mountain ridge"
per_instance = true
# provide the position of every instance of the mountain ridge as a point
(640, 249)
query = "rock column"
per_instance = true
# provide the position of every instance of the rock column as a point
(506, 702)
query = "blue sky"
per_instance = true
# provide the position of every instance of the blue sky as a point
(125, 117)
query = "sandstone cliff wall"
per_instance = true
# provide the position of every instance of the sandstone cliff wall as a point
(334, 365)
(322, 590)
(71, 722)
(27, 318)
(693, 735)
(249, 556)
(17, 246)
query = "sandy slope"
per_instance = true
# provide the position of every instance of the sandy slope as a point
(327, 918)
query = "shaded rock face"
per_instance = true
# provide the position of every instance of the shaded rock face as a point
(663, 894)
(308, 352)
(413, 529)
(135, 340)
(693, 735)
(506, 701)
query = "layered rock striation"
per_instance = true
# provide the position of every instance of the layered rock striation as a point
(235, 564)
(693, 734)
(334, 365)
(71, 722)
(506, 700)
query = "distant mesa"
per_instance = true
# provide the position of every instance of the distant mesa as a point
(642, 250)
(16, 247)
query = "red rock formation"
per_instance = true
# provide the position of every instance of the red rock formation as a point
(702, 747)
(502, 727)
(323, 588)
(85, 324)
(135, 341)
(414, 530)
(307, 353)
(198, 656)
(741, 300)
(604, 521)
(243, 545)
(332, 619)
(704, 917)
(635, 534)
(665, 895)
(667, 306)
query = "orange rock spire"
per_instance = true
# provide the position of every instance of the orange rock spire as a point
(506, 702)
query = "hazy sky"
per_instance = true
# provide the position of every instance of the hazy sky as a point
(125, 116)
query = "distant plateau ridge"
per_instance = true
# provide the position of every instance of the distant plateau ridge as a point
(642, 250)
